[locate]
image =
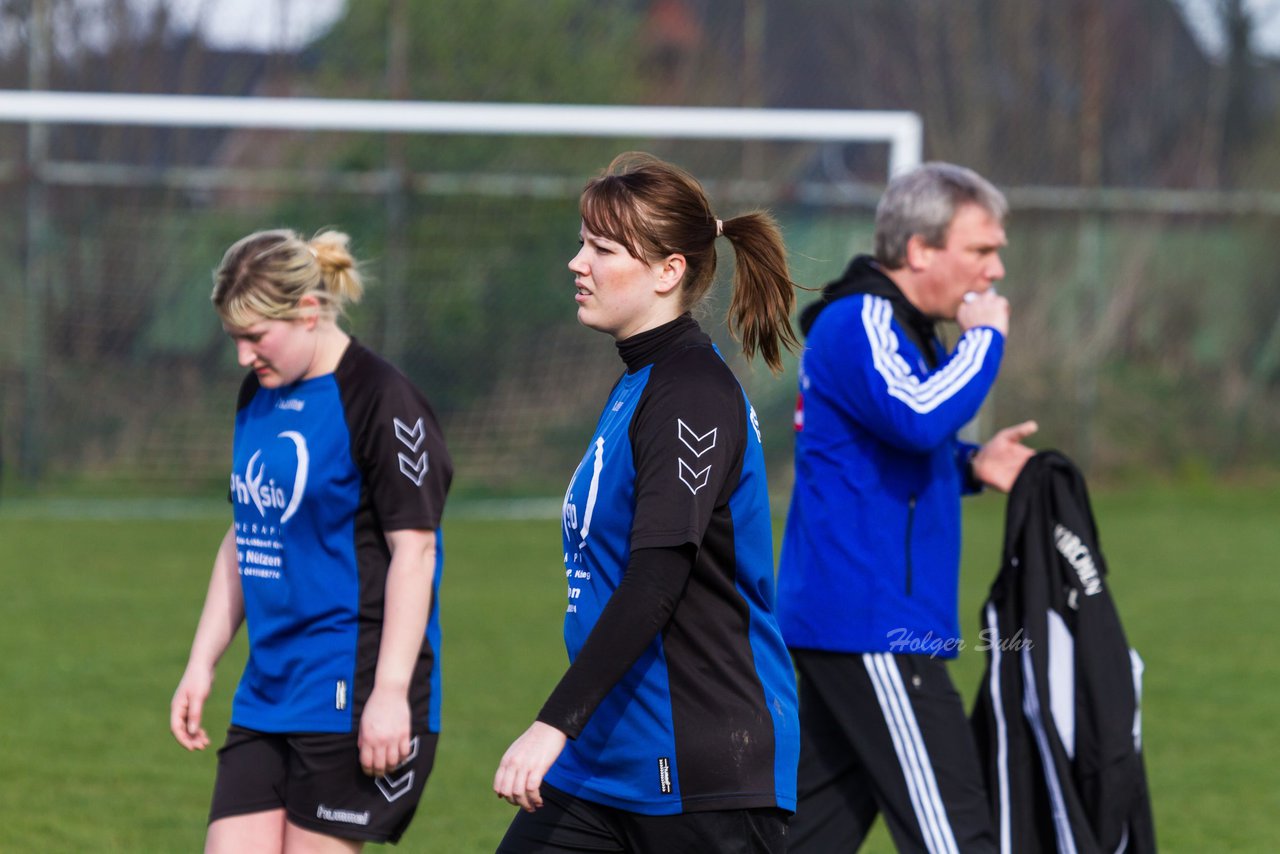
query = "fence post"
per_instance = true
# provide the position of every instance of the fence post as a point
(36, 266)
(1088, 299)
(395, 252)
(1089, 267)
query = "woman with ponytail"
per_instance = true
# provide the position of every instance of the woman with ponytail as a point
(333, 561)
(674, 727)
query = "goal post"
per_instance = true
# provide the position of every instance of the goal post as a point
(900, 130)
(111, 269)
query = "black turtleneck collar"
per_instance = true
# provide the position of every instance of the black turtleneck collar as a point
(645, 348)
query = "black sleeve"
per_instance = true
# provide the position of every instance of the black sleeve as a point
(400, 449)
(248, 388)
(636, 612)
(687, 437)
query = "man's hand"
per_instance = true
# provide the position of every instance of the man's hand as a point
(999, 462)
(987, 308)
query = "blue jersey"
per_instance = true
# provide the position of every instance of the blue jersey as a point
(322, 468)
(871, 554)
(705, 719)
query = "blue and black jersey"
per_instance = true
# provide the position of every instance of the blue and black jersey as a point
(681, 696)
(322, 468)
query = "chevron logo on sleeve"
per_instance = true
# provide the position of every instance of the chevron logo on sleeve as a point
(411, 437)
(698, 444)
(413, 469)
(695, 480)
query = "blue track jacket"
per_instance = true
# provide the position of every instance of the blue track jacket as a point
(871, 552)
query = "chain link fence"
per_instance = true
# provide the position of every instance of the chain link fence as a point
(1145, 336)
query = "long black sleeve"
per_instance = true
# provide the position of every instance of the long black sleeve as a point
(637, 611)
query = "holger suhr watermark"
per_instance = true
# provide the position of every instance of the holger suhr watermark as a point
(906, 641)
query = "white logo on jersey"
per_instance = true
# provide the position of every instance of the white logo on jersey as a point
(300, 477)
(252, 484)
(292, 404)
(413, 469)
(569, 512)
(695, 480)
(1071, 547)
(250, 488)
(700, 444)
(411, 438)
(755, 425)
(594, 492)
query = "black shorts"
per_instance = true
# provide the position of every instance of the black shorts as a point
(316, 778)
(569, 824)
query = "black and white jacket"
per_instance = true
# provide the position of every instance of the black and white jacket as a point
(1058, 717)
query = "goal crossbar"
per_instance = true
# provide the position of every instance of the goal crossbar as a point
(901, 130)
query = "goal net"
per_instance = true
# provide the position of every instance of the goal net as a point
(116, 378)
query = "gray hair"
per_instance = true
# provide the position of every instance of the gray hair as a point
(924, 201)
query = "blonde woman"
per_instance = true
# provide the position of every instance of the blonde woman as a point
(333, 562)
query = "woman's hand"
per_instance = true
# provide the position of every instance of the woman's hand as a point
(187, 707)
(385, 741)
(528, 759)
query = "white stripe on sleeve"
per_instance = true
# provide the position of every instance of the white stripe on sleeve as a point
(938, 388)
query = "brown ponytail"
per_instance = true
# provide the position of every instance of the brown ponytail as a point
(763, 293)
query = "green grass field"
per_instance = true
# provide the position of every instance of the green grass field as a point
(97, 617)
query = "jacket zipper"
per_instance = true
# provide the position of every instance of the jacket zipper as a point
(911, 518)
